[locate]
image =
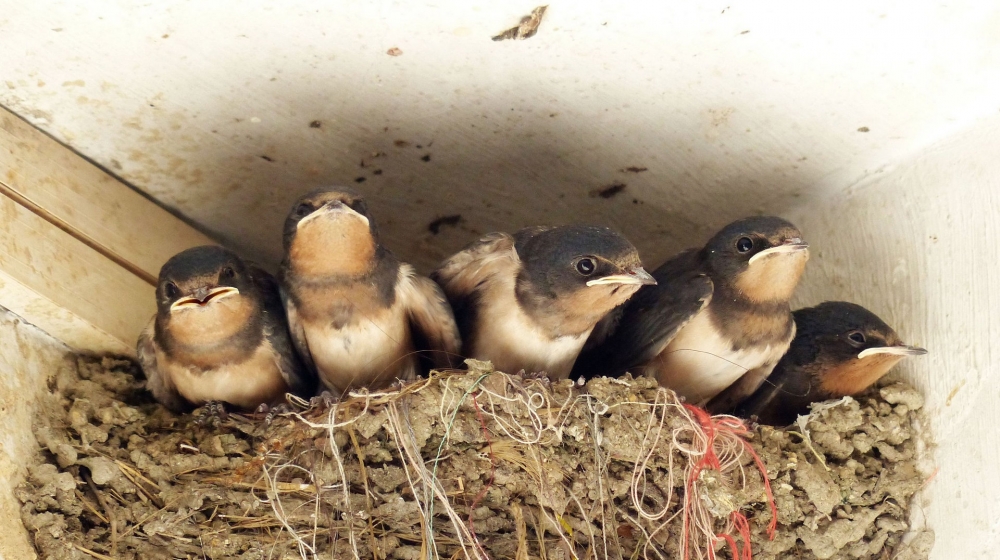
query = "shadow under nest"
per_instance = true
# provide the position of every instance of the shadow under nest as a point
(474, 464)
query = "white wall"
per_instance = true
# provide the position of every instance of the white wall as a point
(28, 359)
(919, 244)
(734, 108)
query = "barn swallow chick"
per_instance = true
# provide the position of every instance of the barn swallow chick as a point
(358, 316)
(717, 320)
(841, 349)
(529, 300)
(219, 335)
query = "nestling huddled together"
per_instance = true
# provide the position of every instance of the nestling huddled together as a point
(714, 324)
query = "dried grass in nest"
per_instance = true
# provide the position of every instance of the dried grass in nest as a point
(471, 465)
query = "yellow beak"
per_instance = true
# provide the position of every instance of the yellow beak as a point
(636, 276)
(331, 209)
(901, 350)
(204, 297)
(794, 245)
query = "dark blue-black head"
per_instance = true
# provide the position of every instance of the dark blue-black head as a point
(201, 276)
(850, 346)
(761, 257)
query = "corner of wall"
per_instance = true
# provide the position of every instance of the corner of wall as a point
(28, 360)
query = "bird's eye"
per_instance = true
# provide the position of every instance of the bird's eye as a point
(586, 266)
(228, 272)
(303, 209)
(857, 337)
(172, 290)
(744, 244)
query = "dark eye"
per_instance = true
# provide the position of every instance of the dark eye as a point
(228, 272)
(172, 290)
(586, 266)
(857, 337)
(303, 209)
(744, 244)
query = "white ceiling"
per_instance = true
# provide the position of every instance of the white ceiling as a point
(734, 107)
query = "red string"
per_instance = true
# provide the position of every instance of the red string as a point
(705, 421)
(732, 545)
(710, 459)
(711, 426)
(773, 525)
(743, 528)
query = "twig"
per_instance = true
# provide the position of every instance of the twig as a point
(90, 507)
(85, 473)
(92, 553)
(808, 441)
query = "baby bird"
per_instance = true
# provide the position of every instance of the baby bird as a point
(358, 316)
(716, 322)
(529, 301)
(840, 350)
(219, 335)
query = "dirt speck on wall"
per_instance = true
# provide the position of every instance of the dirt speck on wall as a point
(475, 463)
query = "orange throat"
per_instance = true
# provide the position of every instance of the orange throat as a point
(328, 247)
(857, 374)
(774, 278)
(203, 332)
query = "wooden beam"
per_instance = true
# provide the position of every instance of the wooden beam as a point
(79, 250)
(117, 220)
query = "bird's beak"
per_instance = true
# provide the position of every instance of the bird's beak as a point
(901, 350)
(203, 296)
(793, 245)
(635, 276)
(333, 209)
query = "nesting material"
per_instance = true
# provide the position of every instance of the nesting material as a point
(476, 464)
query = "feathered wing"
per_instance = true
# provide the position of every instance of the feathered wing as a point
(765, 401)
(160, 385)
(464, 274)
(739, 391)
(431, 320)
(297, 333)
(792, 385)
(637, 332)
(301, 379)
(785, 394)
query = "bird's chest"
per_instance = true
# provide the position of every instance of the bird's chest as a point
(339, 306)
(702, 360)
(509, 338)
(245, 383)
(375, 344)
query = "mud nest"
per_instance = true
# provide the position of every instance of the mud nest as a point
(476, 464)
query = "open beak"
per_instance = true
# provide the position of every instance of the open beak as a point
(331, 209)
(793, 245)
(203, 296)
(636, 276)
(900, 350)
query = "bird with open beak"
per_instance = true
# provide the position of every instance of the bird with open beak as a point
(528, 301)
(219, 335)
(358, 316)
(841, 349)
(716, 322)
